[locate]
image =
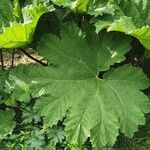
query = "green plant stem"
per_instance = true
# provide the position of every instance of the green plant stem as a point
(31, 57)
(2, 60)
(12, 61)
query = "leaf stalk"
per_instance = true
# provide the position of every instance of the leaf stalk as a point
(33, 58)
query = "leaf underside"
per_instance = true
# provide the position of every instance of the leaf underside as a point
(10, 37)
(130, 17)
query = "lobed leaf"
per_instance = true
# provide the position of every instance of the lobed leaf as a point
(70, 87)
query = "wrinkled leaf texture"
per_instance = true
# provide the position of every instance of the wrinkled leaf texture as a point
(94, 107)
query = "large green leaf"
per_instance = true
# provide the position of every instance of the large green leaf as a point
(131, 17)
(94, 107)
(6, 122)
(20, 34)
(110, 49)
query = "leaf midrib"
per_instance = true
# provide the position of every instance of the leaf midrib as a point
(118, 97)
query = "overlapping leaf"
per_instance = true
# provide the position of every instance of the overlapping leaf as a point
(20, 34)
(97, 107)
(131, 17)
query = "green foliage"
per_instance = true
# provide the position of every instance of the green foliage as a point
(36, 140)
(6, 122)
(82, 90)
(77, 5)
(130, 17)
(29, 116)
(56, 135)
(90, 88)
(10, 37)
(6, 13)
(3, 77)
(97, 8)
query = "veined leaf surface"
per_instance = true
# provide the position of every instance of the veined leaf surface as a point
(94, 107)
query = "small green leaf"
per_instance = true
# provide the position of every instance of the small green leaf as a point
(36, 140)
(6, 122)
(55, 135)
(30, 115)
